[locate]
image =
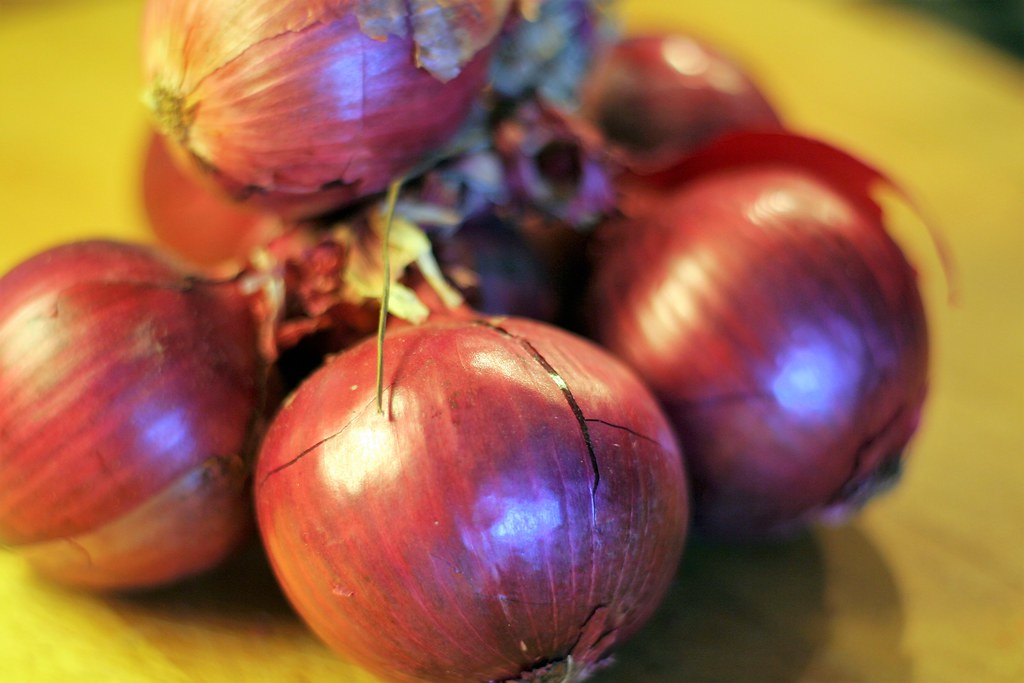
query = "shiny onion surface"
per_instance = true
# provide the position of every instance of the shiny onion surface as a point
(129, 399)
(301, 106)
(518, 509)
(780, 325)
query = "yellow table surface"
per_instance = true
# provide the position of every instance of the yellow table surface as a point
(926, 586)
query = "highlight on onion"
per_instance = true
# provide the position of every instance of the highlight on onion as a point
(300, 106)
(517, 510)
(193, 222)
(660, 96)
(783, 329)
(130, 400)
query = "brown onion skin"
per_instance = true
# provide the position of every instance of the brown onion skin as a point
(783, 330)
(187, 218)
(292, 108)
(661, 96)
(464, 535)
(129, 396)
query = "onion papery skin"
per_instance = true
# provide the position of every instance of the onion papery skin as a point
(784, 332)
(658, 97)
(467, 534)
(298, 108)
(187, 218)
(130, 395)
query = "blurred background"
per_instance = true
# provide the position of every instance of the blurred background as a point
(1000, 22)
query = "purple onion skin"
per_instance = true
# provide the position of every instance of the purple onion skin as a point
(469, 533)
(128, 398)
(299, 122)
(783, 331)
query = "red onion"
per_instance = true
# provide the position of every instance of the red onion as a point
(780, 325)
(298, 106)
(661, 96)
(194, 223)
(129, 399)
(519, 509)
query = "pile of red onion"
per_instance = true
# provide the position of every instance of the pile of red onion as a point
(381, 234)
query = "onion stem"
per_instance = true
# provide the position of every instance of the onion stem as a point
(389, 216)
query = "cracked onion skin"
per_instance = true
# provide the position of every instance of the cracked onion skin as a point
(781, 326)
(129, 396)
(468, 533)
(303, 106)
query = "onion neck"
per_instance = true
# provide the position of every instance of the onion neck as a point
(172, 116)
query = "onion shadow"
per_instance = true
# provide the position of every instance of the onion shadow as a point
(241, 594)
(770, 614)
(736, 614)
(866, 637)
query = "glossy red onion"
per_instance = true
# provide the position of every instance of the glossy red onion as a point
(519, 509)
(129, 399)
(300, 106)
(196, 224)
(660, 96)
(780, 325)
